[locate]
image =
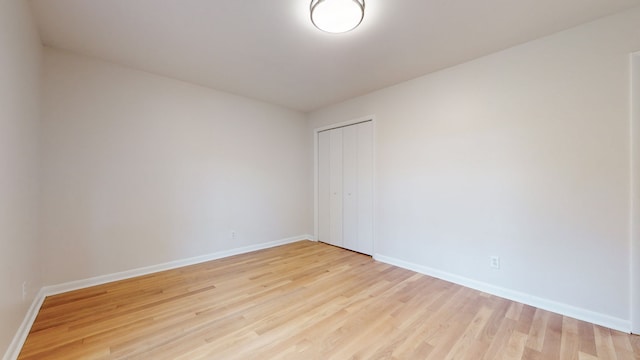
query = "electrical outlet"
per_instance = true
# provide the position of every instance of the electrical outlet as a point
(24, 291)
(233, 235)
(494, 262)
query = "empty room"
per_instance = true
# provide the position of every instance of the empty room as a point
(320, 179)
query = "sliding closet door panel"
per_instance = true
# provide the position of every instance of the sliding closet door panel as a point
(324, 191)
(345, 187)
(335, 184)
(365, 188)
(350, 190)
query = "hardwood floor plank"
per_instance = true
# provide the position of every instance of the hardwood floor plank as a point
(570, 342)
(530, 354)
(635, 345)
(526, 319)
(306, 300)
(553, 337)
(538, 330)
(585, 356)
(469, 337)
(587, 338)
(622, 344)
(411, 321)
(604, 343)
(515, 347)
(514, 311)
(500, 341)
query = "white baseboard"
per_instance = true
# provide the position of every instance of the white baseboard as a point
(21, 335)
(99, 280)
(545, 304)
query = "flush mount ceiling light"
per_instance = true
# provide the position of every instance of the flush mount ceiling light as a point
(337, 16)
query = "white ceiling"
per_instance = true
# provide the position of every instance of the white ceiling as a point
(269, 50)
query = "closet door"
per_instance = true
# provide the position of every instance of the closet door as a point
(350, 183)
(365, 188)
(335, 187)
(345, 187)
(324, 191)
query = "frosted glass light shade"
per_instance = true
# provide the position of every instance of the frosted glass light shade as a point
(337, 16)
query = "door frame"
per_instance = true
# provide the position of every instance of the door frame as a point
(316, 212)
(635, 195)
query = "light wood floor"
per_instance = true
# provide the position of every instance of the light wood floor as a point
(306, 301)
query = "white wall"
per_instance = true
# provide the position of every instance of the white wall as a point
(140, 170)
(523, 154)
(20, 60)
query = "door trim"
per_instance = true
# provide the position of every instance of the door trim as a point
(316, 212)
(634, 267)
